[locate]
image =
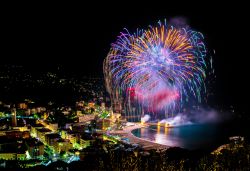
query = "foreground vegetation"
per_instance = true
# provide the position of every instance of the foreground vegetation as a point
(120, 157)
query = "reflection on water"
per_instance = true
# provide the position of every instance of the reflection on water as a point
(190, 137)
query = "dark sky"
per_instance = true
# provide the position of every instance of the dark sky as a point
(80, 39)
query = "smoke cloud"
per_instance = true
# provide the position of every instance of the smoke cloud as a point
(145, 118)
(198, 116)
(179, 22)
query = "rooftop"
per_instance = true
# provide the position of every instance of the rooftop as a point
(53, 136)
(62, 140)
(37, 125)
(33, 142)
(44, 130)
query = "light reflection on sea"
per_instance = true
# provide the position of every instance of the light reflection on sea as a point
(189, 137)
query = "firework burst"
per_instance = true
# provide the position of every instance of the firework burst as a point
(163, 64)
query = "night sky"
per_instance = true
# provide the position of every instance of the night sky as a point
(79, 40)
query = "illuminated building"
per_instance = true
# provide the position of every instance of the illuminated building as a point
(28, 112)
(102, 105)
(78, 112)
(84, 143)
(12, 156)
(85, 140)
(80, 104)
(62, 145)
(52, 126)
(7, 105)
(14, 121)
(33, 130)
(17, 134)
(40, 109)
(115, 116)
(33, 110)
(22, 105)
(65, 112)
(106, 123)
(41, 132)
(35, 148)
(52, 138)
(85, 118)
(91, 104)
(23, 128)
(10, 149)
(63, 134)
(8, 156)
(70, 136)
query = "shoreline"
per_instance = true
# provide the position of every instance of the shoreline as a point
(146, 144)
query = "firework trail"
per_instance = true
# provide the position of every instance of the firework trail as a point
(163, 65)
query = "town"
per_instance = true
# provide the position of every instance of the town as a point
(47, 134)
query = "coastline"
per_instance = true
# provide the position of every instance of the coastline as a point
(146, 144)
